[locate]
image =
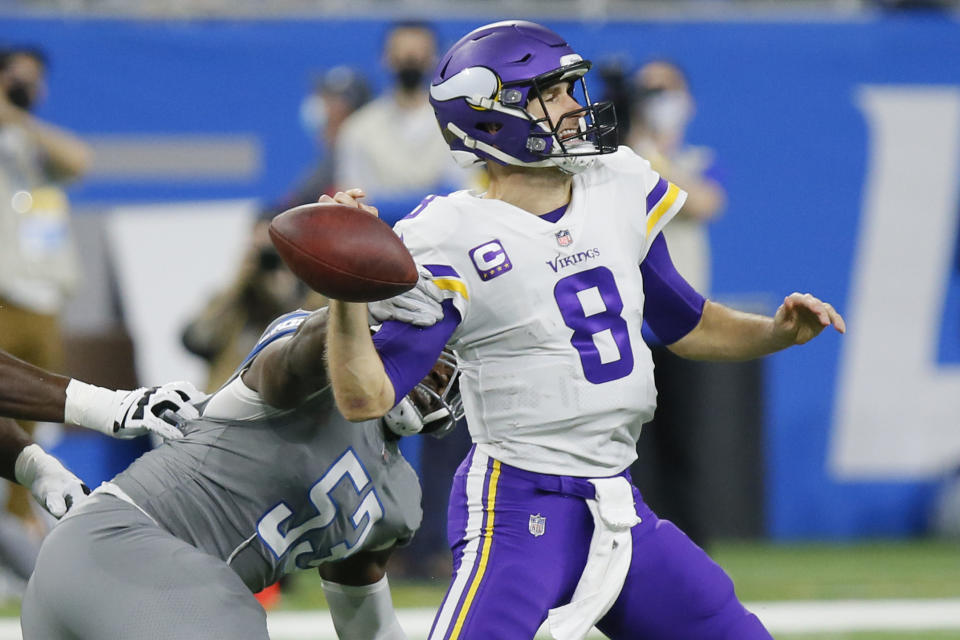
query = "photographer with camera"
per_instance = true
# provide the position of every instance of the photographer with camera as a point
(230, 324)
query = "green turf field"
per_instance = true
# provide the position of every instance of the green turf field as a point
(775, 572)
(925, 569)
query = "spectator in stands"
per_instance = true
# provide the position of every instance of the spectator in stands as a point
(379, 140)
(38, 267)
(667, 470)
(337, 94)
(664, 107)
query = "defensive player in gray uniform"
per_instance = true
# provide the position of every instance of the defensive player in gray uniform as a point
(30, 393)
(271, 478)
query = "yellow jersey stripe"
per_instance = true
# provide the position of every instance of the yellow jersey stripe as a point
(452, 284)
(662, 207)
(484, 554)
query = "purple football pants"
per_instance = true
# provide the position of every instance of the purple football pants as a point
(520, 542)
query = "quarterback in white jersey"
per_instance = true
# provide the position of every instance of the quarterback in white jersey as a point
(551, 315)
(548, 276)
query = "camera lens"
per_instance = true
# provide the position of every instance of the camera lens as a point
(269, 259)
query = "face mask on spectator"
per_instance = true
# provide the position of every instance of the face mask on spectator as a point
(19, 95)
(409, 76)
(668, 112)
(313, 114)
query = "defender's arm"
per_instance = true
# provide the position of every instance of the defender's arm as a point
(359, 597)
(289, 370)
(30, 393)
(26, 463)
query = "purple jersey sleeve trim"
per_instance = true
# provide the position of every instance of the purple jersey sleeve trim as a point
(672, 307)
(656, 193)
(441, 270)
(420, 207)
(409, 353)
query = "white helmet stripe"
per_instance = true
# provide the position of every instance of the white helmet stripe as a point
(473, 83)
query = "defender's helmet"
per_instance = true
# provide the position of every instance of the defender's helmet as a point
(428, 410)
(482, 87)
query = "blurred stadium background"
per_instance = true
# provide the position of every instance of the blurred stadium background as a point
(837, 125)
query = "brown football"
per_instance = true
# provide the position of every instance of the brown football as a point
(343, 252)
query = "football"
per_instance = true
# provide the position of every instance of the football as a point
(343, 252)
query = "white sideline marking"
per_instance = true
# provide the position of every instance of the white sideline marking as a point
(799, 616)
(809, 616)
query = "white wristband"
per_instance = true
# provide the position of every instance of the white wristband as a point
(91, 406)
(25, 468)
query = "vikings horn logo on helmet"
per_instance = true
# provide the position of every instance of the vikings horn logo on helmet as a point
(472, 84)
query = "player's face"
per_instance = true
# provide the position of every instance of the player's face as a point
(436, 381)
(555, 101)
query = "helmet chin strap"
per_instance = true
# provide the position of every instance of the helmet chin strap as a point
(574, 164)
(571, 163)
(473, 143)
(568, 164)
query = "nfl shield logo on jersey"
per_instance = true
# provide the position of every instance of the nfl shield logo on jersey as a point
(538, 524)
(564, 239)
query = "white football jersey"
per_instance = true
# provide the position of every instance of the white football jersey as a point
(556, 377)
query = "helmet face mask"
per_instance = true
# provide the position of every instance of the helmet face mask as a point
(596, 122)
(434, 406)
(485, 84)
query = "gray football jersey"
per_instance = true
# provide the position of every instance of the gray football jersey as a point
(280, 493)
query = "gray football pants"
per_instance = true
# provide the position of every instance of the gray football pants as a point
(108, 572)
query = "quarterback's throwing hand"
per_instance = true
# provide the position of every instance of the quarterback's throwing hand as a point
(350, 198)
(419, 306)
(802, 317)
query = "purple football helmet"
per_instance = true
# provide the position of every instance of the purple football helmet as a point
(483, 84)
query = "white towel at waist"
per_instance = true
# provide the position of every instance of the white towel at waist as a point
(608, 561)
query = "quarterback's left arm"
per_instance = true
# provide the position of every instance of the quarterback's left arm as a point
(695, 328)
(727, 334)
